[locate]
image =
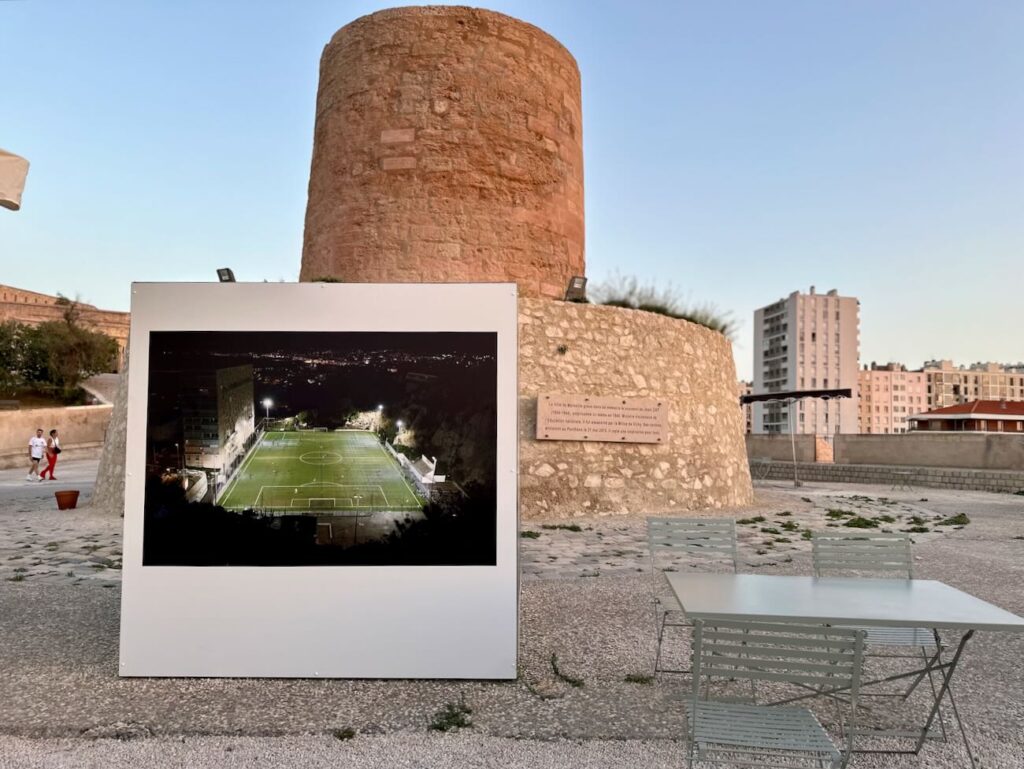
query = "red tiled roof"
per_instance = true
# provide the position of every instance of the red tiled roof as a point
(993, 409)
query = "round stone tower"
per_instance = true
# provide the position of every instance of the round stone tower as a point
(447, 148)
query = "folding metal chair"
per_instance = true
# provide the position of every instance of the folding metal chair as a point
(683, 541)
(888, 555)
(825, 659)
(760, 469)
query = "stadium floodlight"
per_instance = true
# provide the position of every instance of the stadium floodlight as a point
(267, 403)
(225, 275)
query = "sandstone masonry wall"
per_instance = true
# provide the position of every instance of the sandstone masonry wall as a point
(614, 351)
(33, 308)
(447, 147)
(81, 428)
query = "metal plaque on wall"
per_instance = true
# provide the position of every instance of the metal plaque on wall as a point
(610, 419)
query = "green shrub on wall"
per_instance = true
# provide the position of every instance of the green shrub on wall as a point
(627, 291)
(54, 357)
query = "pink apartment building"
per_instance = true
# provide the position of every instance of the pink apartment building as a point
(888, 396)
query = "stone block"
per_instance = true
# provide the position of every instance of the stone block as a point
(398, 163)
(397, 135)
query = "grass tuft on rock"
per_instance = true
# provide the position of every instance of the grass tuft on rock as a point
(956, 520)
(639, 678)
(454, 716)
(860, 522)
(562, 526)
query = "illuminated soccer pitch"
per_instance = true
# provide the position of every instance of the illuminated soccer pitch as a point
(309, 472)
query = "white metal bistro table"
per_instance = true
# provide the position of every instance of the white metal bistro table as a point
(850, 602)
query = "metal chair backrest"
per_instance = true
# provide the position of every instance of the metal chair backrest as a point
(889, 553)
(671, 539)
(821, 657)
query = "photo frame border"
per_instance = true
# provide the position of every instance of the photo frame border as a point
(322, 621)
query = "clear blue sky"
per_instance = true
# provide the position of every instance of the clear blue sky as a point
(739, 150)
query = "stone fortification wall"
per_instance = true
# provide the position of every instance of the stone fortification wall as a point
(447, 148)
(978, 451)
(81, 430)
(614, 351)
(33, 308)
(999, 481)
(780, 447)
(982, 451)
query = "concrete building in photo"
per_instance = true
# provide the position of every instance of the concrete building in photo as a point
(985, 416)
(887, 396)
(807, 342)
(218, 417)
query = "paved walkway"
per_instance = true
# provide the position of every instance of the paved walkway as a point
(585, 618)
(43, 545)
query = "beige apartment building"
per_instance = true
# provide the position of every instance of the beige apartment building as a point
(949, 385)
(888, 396)
(807, 342)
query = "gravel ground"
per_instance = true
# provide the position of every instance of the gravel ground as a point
(62, 704)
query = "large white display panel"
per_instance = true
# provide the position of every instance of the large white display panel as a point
(350, 620)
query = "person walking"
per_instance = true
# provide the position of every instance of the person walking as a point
(36, 449)
(52, 450)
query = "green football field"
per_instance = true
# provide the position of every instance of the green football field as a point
(308, 471)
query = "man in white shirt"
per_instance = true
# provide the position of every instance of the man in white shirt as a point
(36, 449)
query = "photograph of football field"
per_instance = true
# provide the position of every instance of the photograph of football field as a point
(321, 448)
(306, 471)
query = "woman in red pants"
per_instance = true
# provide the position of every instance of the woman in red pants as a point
(52, 450)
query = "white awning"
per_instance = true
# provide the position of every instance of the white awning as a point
(13, 170)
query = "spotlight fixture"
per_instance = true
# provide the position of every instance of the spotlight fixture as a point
(225, 275)
(577, 289)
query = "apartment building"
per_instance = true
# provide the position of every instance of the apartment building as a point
(807, 342)
(949, 385)
(746, 388)
(888, 396)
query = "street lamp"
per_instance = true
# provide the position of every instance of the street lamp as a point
(267, 403)
(178, 457)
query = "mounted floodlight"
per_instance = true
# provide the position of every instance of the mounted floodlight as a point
(267, 403)
(380, 407)
(398, 424)
(577, 289)
(225, 275)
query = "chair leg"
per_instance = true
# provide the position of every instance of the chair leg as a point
(689, 752)
(661, 635)
(662, 629)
